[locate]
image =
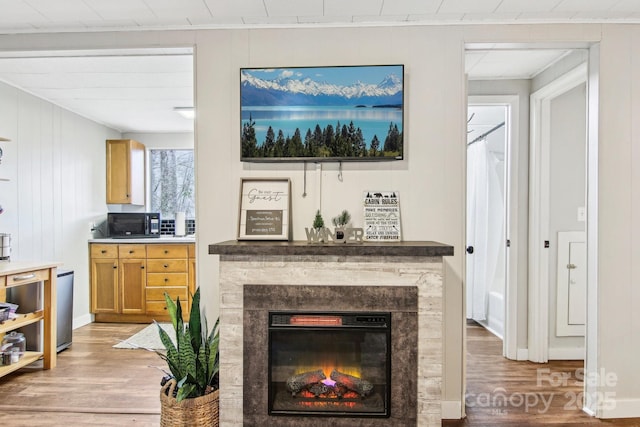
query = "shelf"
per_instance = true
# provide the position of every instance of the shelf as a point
(22, 273)
(20, 321)
(29, 357)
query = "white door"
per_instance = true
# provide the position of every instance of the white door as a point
(486, 254)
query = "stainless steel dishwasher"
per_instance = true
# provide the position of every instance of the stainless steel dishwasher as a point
(29, 298)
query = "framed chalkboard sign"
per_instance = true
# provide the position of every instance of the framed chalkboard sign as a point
(265, 209)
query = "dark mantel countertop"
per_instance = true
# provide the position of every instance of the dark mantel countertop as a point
(418, 248)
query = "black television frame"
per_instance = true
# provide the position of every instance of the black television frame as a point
(390, 105)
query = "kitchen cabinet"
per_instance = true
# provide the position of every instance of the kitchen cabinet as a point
(125, 172)
(118, 279)
(26, 273)
(132, 278)
(168, 272)
(128, 281)
(104, 278)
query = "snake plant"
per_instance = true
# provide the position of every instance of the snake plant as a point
(193, 359)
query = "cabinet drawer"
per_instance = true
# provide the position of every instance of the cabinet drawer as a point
(167, 266)
(27, 277)
(167, 279)
(192, 251)
(104, 251)
(157, 294)
(167, 251)
(132, 251)
(158, 308)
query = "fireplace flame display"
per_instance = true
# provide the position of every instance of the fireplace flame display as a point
(339, 385)
(329, 364)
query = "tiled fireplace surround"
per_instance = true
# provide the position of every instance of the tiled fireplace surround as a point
(404, 279)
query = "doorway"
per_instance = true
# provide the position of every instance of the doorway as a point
(518, 72)
(487, 133)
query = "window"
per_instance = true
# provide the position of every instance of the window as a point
(172, 182)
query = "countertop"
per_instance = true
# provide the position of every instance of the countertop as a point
(417, 248)
(151, 240)
(16, 267)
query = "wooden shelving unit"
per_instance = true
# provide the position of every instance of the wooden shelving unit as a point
(23, 273)
(20, 321)
(28, 358)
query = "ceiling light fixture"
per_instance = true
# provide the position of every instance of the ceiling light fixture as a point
(186, 112)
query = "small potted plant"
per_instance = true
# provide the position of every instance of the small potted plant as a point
(318, 225)
(340, 222)
(189, 396)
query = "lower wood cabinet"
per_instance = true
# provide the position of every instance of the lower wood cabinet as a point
(128, 281)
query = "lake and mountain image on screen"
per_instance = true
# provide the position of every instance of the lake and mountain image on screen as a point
(345, 113)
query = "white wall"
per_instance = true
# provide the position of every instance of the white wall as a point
(56, 162)
(169, 140)
(618, 209)
(431, 179)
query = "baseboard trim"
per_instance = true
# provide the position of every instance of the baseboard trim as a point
(485, 324)
(451, 409)
(566, 353)
(83, 320)
(522, 354)
(621, 408)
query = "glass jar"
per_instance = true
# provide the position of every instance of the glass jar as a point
(17, 341)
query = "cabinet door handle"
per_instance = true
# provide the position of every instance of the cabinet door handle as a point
(25, 277)
(130, 252)
(166, 279)
(166, 251)
(166, 266)
(115, 266)
(142, 267)
(104, 251)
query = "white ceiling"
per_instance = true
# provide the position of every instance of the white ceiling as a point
(136, 91)
(128, 90)
(88, 15)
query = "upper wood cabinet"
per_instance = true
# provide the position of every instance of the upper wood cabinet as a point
(125, 172)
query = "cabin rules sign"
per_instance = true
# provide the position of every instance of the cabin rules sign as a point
(382, 216)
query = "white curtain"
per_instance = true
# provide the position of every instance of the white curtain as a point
(485, 226)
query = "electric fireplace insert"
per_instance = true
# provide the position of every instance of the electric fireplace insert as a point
(331, 364)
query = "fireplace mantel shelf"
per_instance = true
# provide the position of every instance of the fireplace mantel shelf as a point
(415, 248)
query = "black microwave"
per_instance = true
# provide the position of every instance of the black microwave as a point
(124, 225)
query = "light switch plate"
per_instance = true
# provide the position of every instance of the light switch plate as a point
(582, 215)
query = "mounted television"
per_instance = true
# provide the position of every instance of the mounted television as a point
(343, 113)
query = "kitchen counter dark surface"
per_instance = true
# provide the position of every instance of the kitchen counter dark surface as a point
(417, 248)
(150, 240)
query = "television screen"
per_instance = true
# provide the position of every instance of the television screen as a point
(344, 113)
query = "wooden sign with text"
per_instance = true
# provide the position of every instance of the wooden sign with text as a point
(265, 209)
(382, 216)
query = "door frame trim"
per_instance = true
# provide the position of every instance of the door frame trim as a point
(539, 181)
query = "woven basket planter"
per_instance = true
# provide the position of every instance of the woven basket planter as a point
(198, 411)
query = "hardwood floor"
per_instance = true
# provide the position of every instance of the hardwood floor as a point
(97, 385)
(93, 384)
(529, 397)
